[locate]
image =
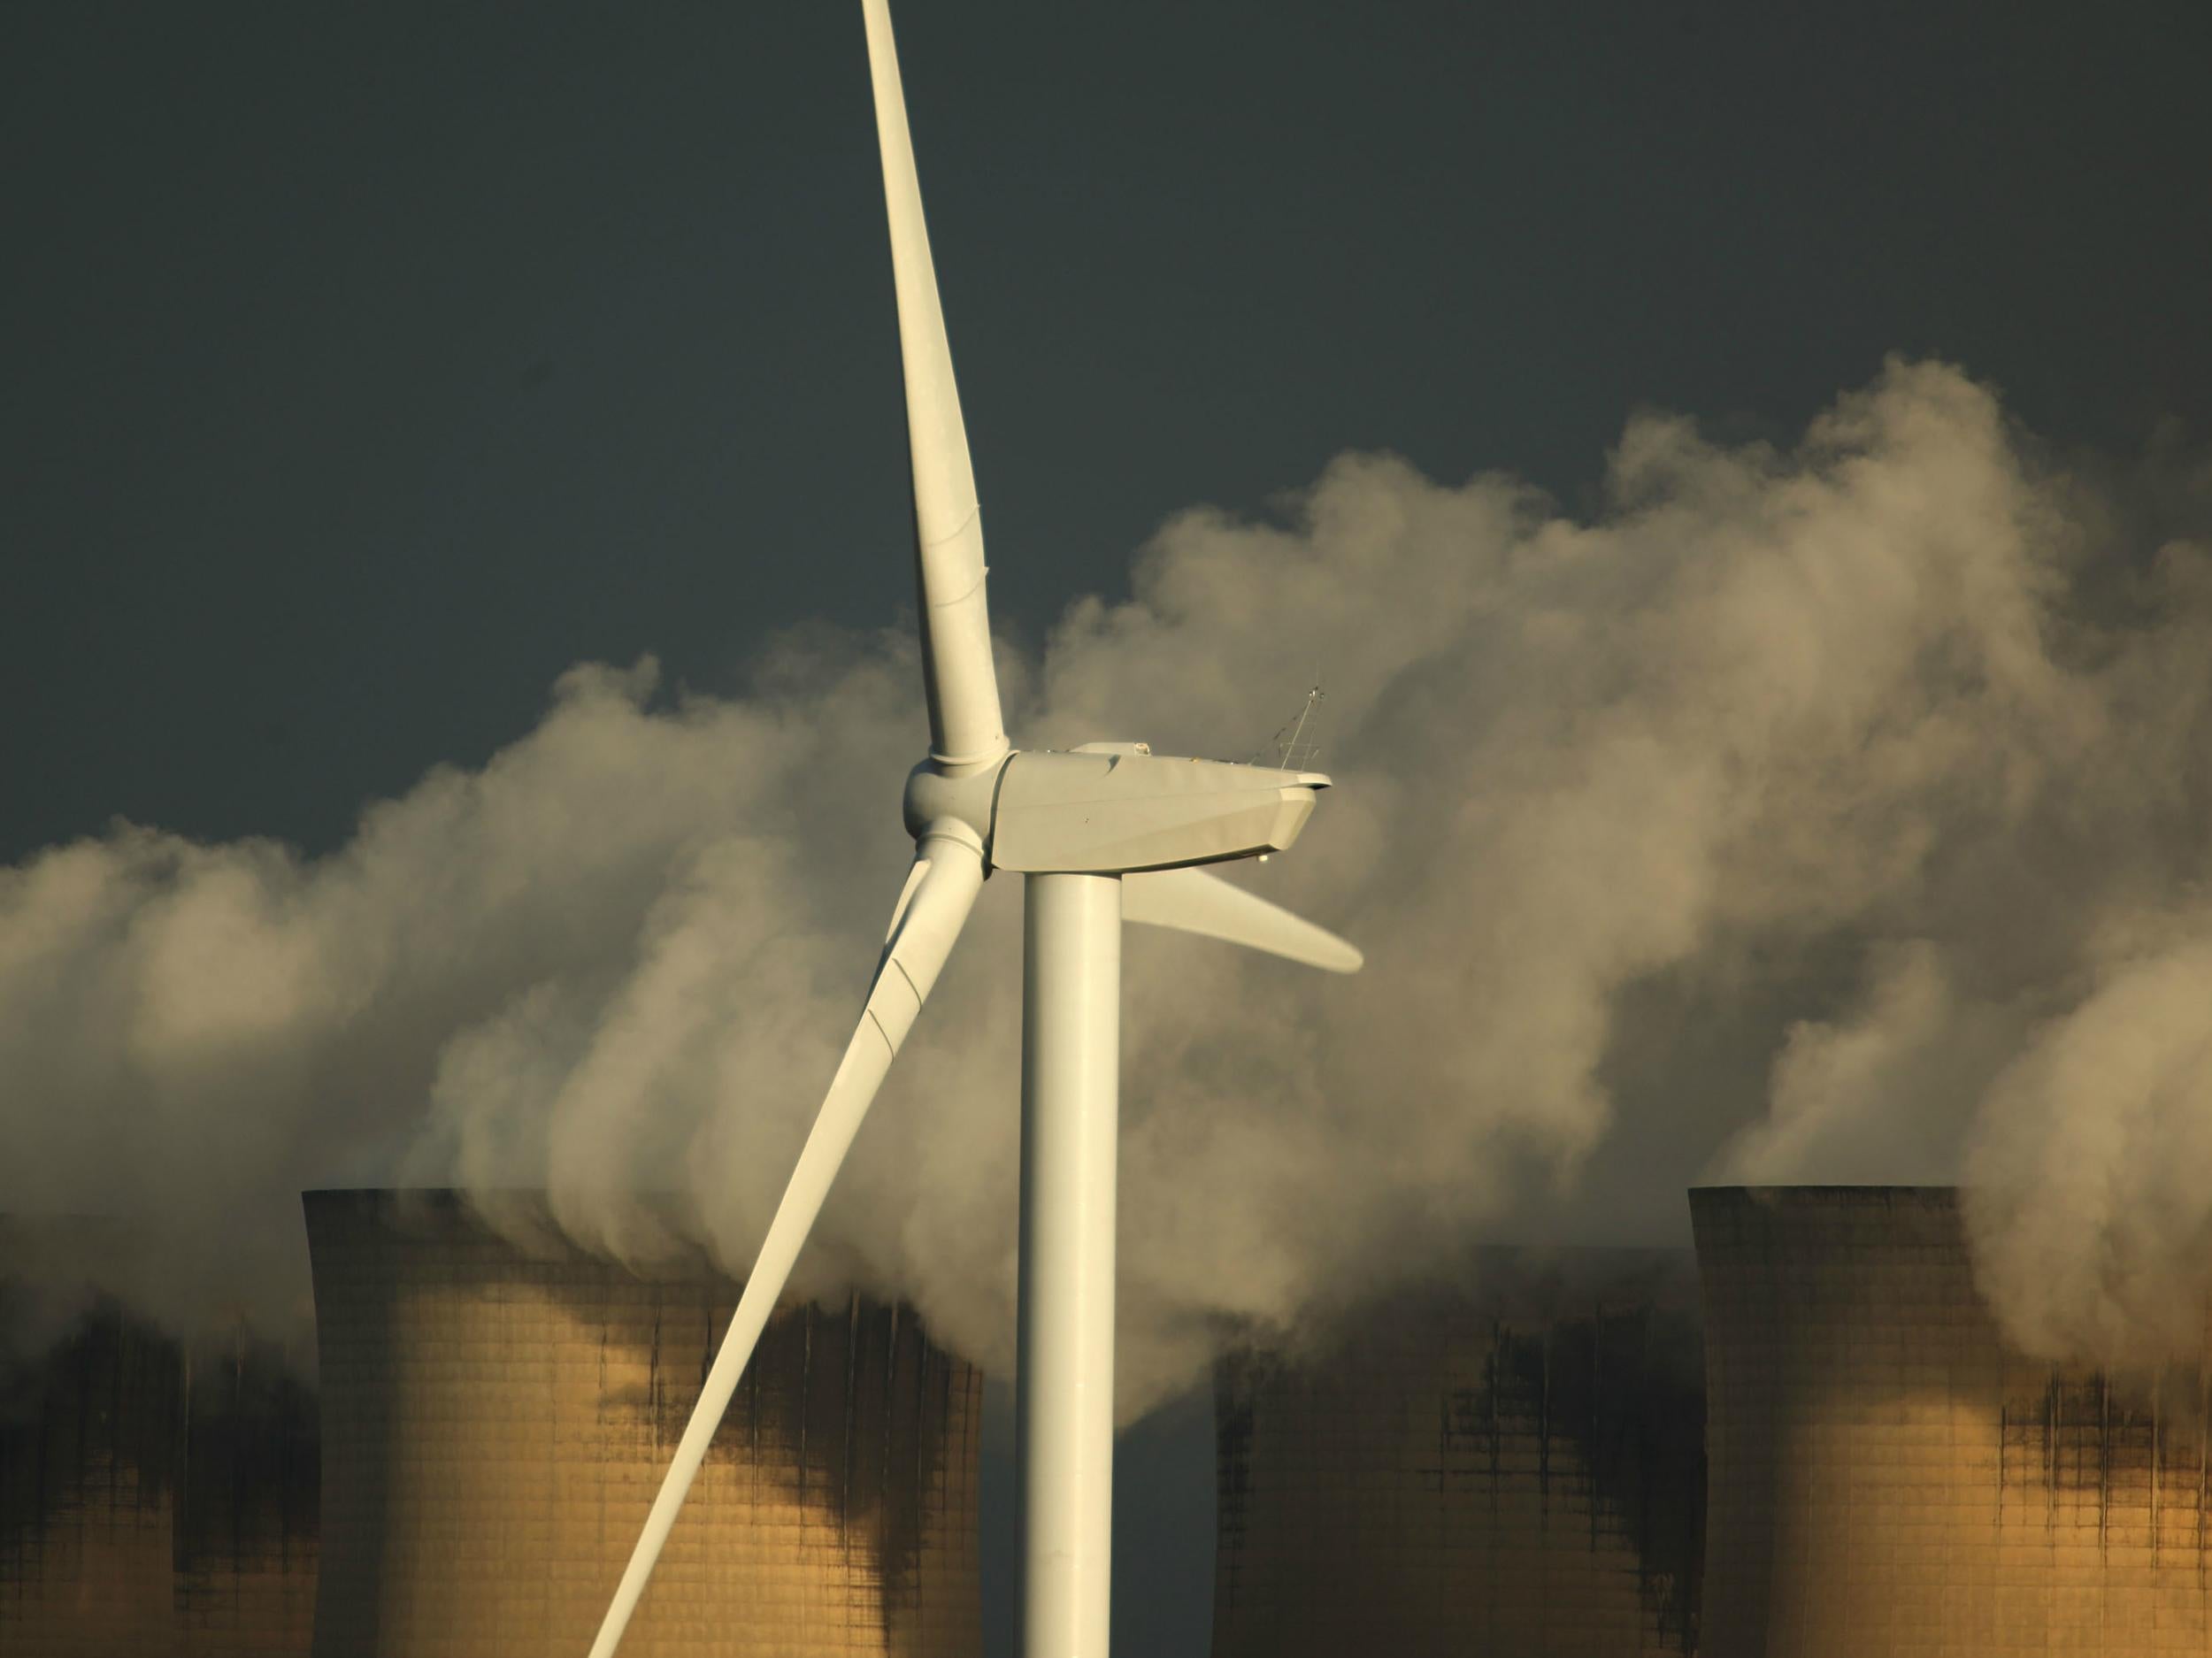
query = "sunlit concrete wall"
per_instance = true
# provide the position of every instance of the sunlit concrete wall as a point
(153, 1501)
(90, 1430)
(1889, 1477)
(1512, 1467)
(495, 1422)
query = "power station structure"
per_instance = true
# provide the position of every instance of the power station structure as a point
(496, 1416)
(1559, 1454)
(1889, 1477)
(155, 1497)
(1512, 1466)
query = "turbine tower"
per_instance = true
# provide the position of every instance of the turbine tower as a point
(1104, 833)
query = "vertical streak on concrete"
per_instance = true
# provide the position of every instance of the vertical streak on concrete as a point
(2157, 1455)
(1547, 1504)
(805, 1319)
(2204, 1469)
(495, 1420)
(1875, 1413)
(2104, 1469)
(144, 1505)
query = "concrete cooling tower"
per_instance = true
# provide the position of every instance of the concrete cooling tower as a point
(245, 1539)
(154, 1499)
(1889, 1477)
(88, 1446)
(1512, 1467)
(496, 1420)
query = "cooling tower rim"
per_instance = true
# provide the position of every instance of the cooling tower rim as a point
(1516, 1284)
(423, 1225)
(517, 1219)
(1840, 1193)
(482, 1201)
(109, 1226)
(1493, 1263)
(441, 1192)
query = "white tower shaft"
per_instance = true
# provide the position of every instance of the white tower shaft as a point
(1065, 1390)
(1076, 823)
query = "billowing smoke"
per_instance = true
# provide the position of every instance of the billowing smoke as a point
(1832, 812)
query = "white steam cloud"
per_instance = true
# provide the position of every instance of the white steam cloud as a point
(1830, 813)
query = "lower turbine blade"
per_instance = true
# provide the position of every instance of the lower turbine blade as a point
(947, 874)
(1191, 901)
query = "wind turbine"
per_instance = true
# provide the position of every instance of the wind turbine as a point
(1104, 833)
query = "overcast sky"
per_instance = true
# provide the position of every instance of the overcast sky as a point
(366, 369)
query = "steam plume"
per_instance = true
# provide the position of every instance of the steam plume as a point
(1833, 811)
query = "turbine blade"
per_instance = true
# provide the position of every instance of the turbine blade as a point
(1191, 901)
(947, 874)
(965, 725)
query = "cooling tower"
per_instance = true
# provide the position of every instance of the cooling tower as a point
(153, 1501)
(496, 1420)
(89, 1440)
(1513, 1468)
(245, 1537)
(1888, 1478)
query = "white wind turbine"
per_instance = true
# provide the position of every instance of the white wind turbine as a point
(1105, 834)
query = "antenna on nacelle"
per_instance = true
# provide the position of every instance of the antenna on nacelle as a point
(1290, 750)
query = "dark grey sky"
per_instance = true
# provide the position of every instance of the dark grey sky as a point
(365, 367)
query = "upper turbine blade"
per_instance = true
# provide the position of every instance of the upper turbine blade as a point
(1192, 901)
(947, 874)
(965, 725)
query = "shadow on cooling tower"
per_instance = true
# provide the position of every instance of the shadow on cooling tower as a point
(1889, 1474)
(155, 1497)
(497, 1419)
(1512, 1466)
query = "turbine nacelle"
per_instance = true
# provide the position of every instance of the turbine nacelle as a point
(1108, 832)
(1111, 808)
